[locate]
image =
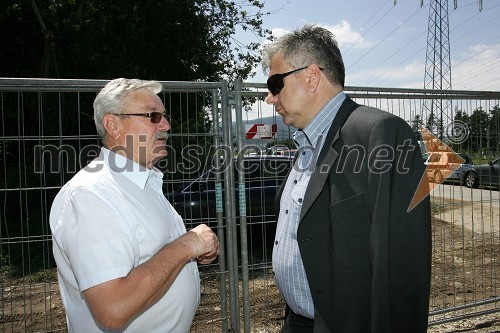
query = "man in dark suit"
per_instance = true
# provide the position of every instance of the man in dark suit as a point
(349, 253)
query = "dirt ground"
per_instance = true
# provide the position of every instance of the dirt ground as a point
(465, 268)
(466, 263)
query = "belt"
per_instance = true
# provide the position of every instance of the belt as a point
(301, 318)
(296, 321)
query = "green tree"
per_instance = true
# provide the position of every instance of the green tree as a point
(172, 40)
(164, 40)
(495, 130)
(479, 131)
(416, 125)
(434, 124)
(461, 128)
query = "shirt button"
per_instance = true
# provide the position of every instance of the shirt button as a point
(303, 153)
(276, 242)
(295, 181)
(300, 200)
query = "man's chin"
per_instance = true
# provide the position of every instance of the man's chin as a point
(287, 121)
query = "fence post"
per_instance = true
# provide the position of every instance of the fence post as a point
(242, 205)
(231, 231)
(219, 212)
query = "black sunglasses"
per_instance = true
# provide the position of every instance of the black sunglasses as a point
(275, 82)
(154, 116)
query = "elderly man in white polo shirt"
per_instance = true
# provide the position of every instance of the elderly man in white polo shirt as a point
(125, 261)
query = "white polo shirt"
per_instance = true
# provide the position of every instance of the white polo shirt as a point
(111, 217)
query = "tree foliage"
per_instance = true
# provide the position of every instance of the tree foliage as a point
(483, 131)
(171, 40)
(416, 125)
(164, 40)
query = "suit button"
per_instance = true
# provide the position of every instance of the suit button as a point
(295, 181)
(300, 200)
(286, 211)
(276, 242)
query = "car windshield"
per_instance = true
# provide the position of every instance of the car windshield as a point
(435, 158)
(254, 169)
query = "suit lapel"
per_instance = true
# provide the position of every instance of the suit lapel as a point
(327, 157)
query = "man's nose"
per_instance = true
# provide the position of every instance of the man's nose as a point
(271, 99)
(164, 124)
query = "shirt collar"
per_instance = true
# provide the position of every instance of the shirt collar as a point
(135, 172)
(317, 127)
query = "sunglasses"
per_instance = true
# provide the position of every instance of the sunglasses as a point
(154, 116)
(275, 83)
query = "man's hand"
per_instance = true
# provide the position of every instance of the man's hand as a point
(205, 244)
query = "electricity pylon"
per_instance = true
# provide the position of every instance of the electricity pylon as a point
(438, 67)
(438, 64)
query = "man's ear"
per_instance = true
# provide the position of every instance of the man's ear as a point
(112, 126)
(313, 77)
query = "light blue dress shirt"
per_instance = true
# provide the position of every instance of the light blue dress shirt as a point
(288, 268)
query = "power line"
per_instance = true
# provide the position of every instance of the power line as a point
(475, 55)
(413, 40)
(387, 36)
(363, 11)
(477, 72)
(357, 40)
(420, 50)
(493, 80)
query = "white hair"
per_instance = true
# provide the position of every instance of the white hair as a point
(112, 97)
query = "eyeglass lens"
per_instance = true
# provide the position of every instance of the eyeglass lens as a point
(275, 82)
(156, 117)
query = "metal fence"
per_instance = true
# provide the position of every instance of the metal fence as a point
(47, 134)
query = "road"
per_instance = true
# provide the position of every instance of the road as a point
(477, 210)
(463, 193)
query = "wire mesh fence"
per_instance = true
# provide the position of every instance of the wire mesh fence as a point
(48, 134)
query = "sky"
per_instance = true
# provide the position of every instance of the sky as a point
(384, 44)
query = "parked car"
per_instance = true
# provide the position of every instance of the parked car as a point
(483, 174)
(280, 150)
(195, 200)
(458, 173)
(447, 166)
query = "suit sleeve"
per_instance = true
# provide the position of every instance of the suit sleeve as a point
(400, 241)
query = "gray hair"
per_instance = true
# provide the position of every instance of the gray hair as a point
(305, 46)
(112, 98)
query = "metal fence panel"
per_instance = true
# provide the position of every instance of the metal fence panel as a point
(465, 221)
(47, 134)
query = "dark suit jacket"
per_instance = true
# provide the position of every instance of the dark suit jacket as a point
(367, 259)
